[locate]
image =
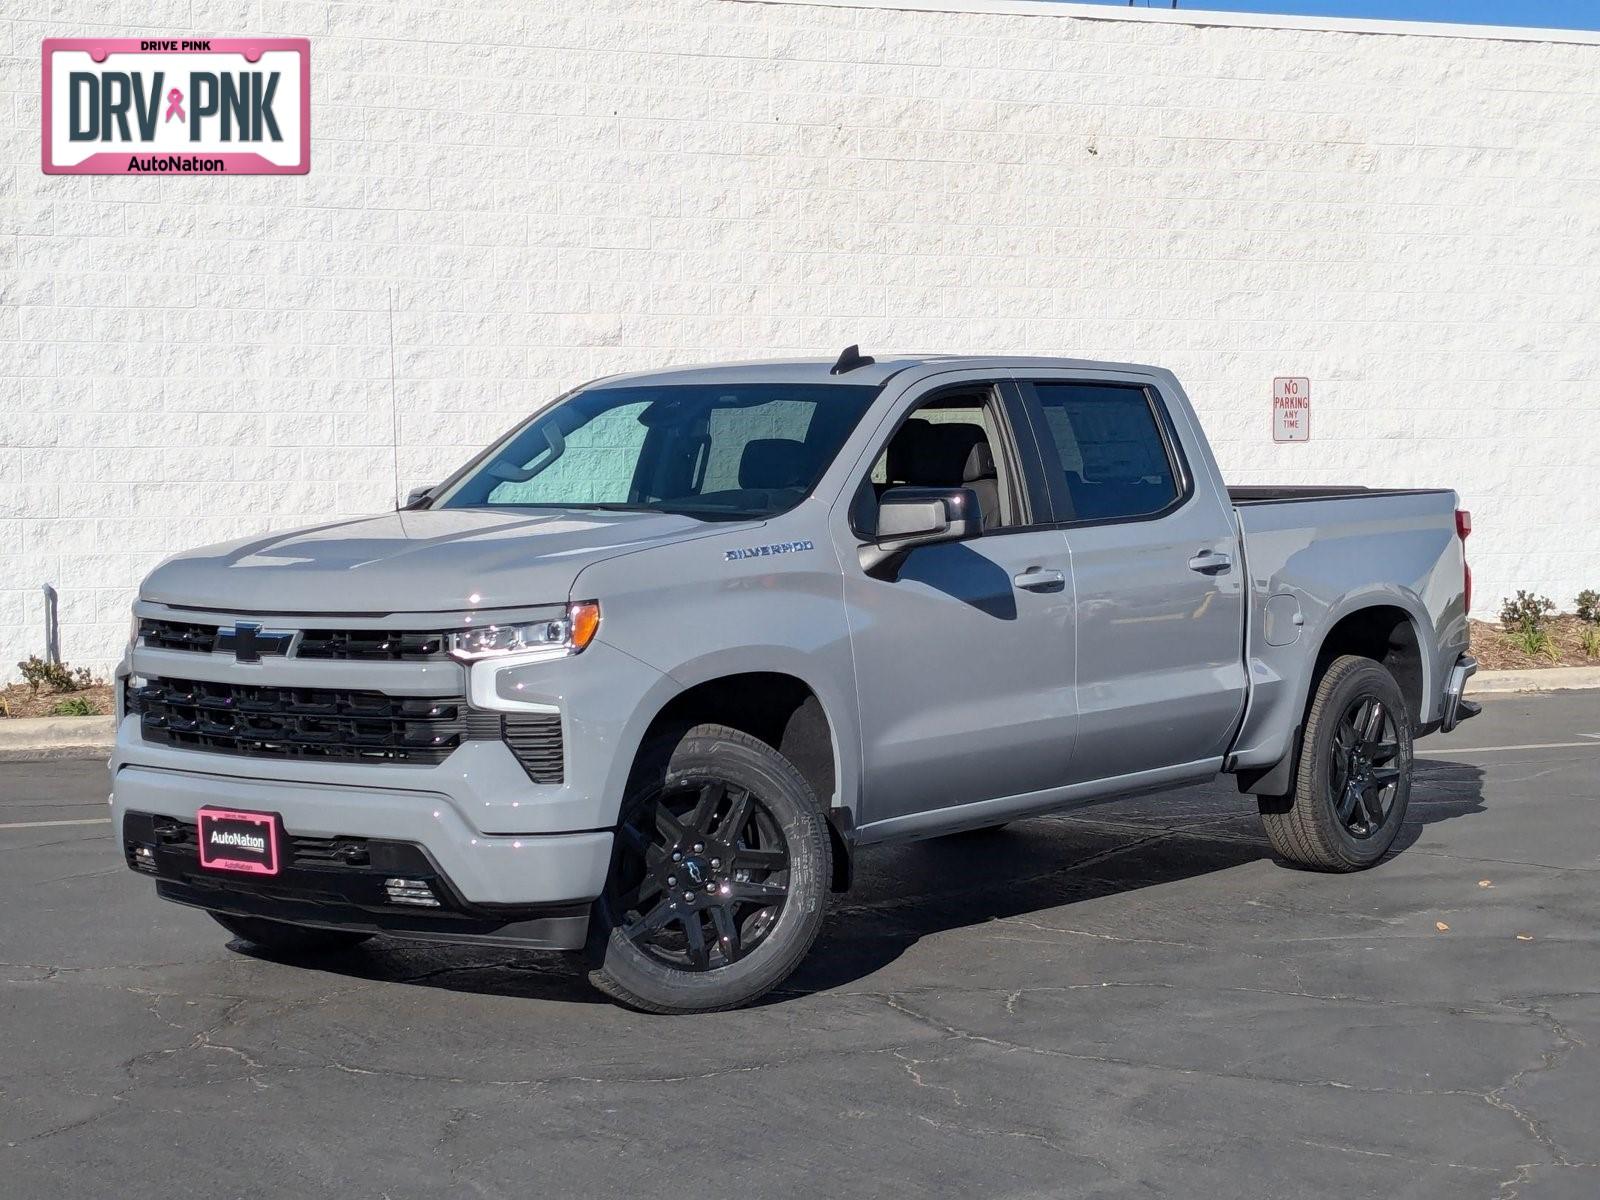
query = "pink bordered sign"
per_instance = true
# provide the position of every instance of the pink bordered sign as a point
(1291, 409)
(233, 840)
(176, 106)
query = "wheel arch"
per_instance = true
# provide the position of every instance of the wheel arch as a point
(1386, 624)
(1390, 635)
(782, 707)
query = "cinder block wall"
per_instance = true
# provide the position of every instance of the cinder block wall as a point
(506, 199)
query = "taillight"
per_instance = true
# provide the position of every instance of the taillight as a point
(1464, 531)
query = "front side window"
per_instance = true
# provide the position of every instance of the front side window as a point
(948, 442)
(709, 451)
(1110, 451)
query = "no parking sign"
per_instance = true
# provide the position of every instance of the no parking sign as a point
(1291, 409)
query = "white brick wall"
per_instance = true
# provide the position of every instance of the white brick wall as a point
(555, 191)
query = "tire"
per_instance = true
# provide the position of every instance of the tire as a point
(279, 937)
(741, 911)
(1353, 778)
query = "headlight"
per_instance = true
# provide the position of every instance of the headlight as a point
(569, 634)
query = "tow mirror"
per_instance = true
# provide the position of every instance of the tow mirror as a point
(908, 517)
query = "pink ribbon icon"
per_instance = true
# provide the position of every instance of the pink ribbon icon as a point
(175, 105)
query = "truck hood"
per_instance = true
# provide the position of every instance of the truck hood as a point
(423, 561)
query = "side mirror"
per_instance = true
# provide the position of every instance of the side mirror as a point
(416, 496)
(909, 517)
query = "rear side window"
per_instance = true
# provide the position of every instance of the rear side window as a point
(1109, 449)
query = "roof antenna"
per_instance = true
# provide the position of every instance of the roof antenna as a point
(850, 360)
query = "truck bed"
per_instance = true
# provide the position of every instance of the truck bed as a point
(1278, 493)
(1308, 563)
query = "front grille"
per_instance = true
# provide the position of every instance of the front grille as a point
(372, 645)
(330, 724)
(357, 645)
(177, 635)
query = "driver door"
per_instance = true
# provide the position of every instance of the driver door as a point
(964, 657)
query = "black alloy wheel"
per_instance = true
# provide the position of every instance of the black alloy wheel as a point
(720, 874)
(1352, 780)
(712, 872)
(1362, 777)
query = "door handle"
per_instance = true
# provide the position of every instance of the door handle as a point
(1039, 579)
(1211, 562)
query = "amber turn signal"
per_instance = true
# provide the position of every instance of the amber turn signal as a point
(583, 618)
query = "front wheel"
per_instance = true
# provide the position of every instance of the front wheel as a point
(1354, 777)
(719, 880)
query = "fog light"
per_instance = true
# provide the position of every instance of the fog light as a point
(418, 892)
(144, 859)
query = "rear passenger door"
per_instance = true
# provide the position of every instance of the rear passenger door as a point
(1157, 574)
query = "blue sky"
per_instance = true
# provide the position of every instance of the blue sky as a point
(1555, 14)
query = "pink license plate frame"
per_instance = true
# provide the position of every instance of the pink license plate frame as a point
(226, 841)
(236, 162)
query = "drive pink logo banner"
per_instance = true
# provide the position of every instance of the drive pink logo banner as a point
(170, 106)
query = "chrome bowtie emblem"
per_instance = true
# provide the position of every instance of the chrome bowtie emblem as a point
(695, 873)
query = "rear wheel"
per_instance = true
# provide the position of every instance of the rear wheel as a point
(719, 881)
(279, 937)
(1353, 781)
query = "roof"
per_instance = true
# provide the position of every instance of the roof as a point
(820, 370)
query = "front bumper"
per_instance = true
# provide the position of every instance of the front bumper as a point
(508, 841)
(484, 869)
(349, 884)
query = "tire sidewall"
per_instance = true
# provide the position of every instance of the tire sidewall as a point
(1343, 686)
(704, 757)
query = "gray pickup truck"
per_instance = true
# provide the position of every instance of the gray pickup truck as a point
(642, 678)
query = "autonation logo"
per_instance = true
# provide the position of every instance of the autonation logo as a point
(169, 106)
(226, 839)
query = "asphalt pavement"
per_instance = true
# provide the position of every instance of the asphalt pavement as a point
(1128, 1000)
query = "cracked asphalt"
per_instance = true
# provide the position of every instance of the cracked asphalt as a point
(1128, 1000)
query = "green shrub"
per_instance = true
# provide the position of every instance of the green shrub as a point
(1527, 612)
(57, 677)
(77, 706)
(1589, 639)
(1588, 606)
(1534, 642)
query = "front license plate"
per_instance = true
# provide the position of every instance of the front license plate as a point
(242, 842)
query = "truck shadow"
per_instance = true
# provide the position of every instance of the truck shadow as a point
(1047, 865)
(902, 894)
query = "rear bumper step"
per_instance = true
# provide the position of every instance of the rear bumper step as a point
(1456, 708)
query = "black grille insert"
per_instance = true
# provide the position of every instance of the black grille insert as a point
(303, 851)
(177, 635)
(369, 645)
(535, 738)
(299, 722)
(358, 645)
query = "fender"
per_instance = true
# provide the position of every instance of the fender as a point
(838, 709)
(1281, 679)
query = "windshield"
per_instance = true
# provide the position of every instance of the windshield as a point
(727, 451)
